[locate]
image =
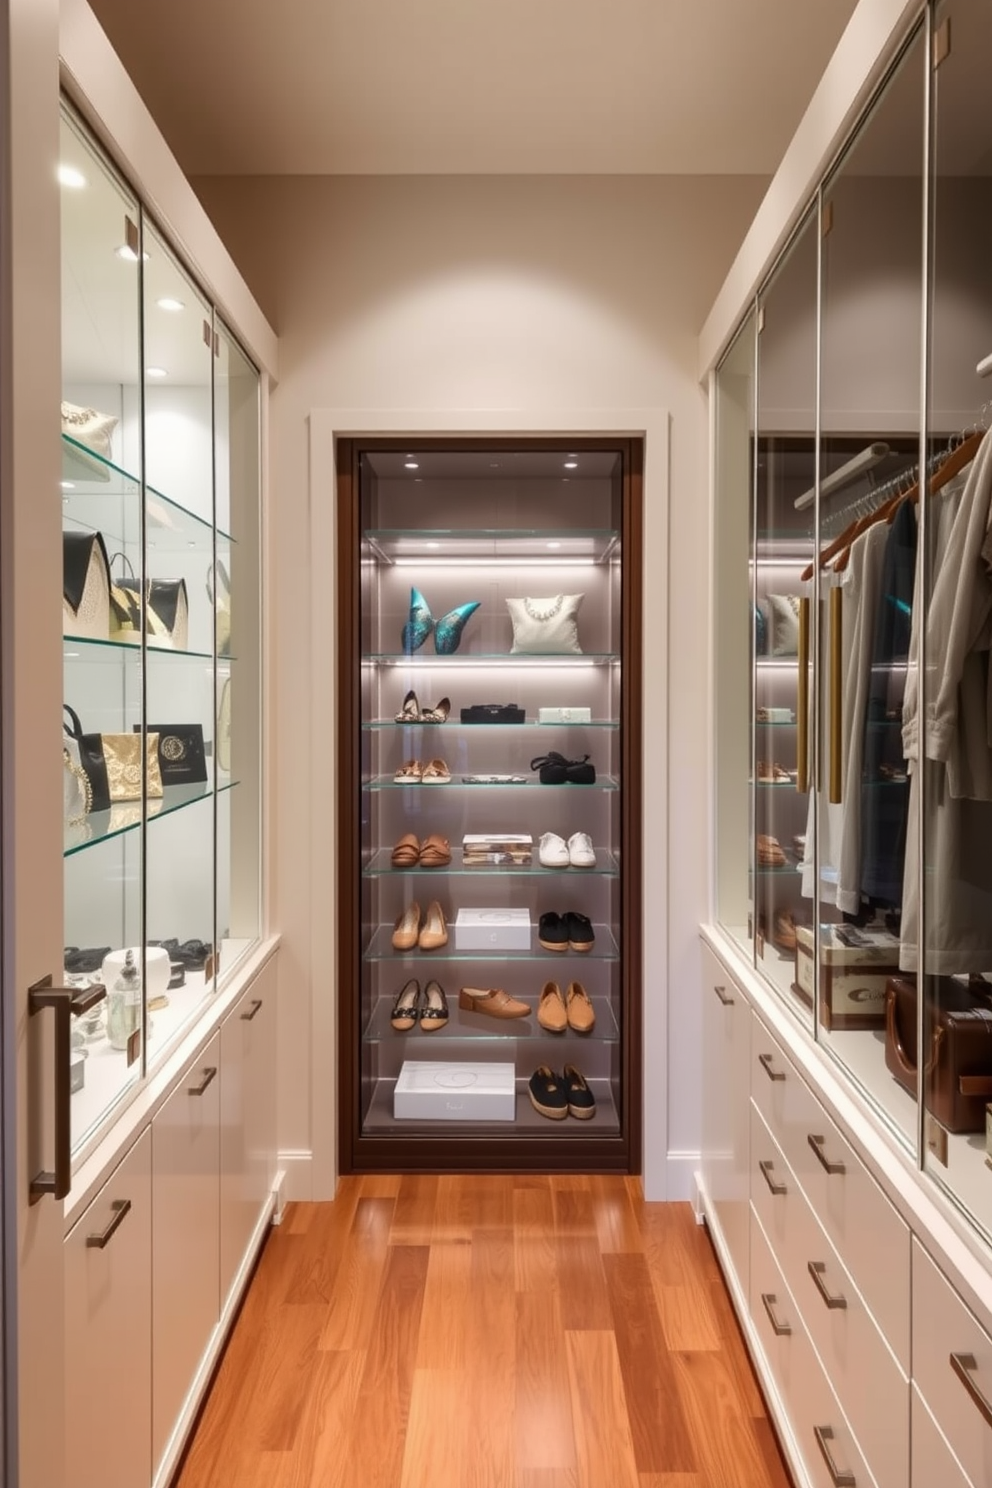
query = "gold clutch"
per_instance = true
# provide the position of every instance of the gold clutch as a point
(122, 756)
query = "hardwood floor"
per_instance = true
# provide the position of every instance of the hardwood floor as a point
(485, 1332)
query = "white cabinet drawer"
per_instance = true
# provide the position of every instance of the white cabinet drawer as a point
(858, 1218)
(108, 1318)
(726, 1083)
(943, 1329)
(934, 1464)
(871, 1388)
(818, 1425)
(247, 1120)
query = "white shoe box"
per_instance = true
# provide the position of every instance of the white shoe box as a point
(492, 930)
(448, 1090)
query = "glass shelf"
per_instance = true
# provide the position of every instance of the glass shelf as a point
(774, 723)
(381, 948)
(506, 658)
(386, 782)
(381, 864)
(111, 651)
(432, 545)
(101, 826)
(777, 872)
(380, 1120)
(169, 525)
(475, 728)
(479, 1027)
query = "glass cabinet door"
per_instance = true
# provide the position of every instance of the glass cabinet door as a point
(947, 917)
(870, 379)
(104, 675)
(781, 557)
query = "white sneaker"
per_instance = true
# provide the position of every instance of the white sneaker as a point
(552, 851)
(581, 853)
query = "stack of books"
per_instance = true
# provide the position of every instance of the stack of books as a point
(488, 849)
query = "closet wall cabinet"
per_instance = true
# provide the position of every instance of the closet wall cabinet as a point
(489, 719)
(853, 881)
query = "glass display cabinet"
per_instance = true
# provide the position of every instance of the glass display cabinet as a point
(160, 496)
(851, 527)
(489, 701)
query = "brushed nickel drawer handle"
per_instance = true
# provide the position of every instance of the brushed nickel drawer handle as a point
(816, 1270)
(766, 1173)
(781, 1330)
(839, 1476)
(765, 1060)
(208, 1075)
(253, 1012)
(965, 1366)
(818, 1144)
(119, 1208)
(721, 992)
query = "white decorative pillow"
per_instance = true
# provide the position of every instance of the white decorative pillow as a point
(543, 626)
(94, 430)
(783, 627)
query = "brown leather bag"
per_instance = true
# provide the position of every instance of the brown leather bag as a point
(957, 1073)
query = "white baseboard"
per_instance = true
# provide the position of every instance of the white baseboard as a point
(680, 1177)
(297, 1170)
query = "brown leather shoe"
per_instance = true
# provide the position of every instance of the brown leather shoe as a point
(581, 1015)
(551, 1012)
(434, 931)
(494, 1001)
(407, 928)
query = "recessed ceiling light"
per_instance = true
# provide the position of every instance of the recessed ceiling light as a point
(128, 254)
(156, 372)
(168, 303)
(554, 544)
(571, 464)
(432, 545)
(411, 464)
(71, 177)
(68, 485)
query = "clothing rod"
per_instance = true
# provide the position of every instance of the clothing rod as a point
(984, 368)
(866, 460)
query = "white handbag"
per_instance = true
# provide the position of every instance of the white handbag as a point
(544, 626)
(85, 586)
(219, 594)
(93, 430)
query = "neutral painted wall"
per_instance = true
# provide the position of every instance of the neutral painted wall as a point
(489, 292)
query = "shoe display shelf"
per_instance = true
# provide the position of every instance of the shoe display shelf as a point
(433, 633)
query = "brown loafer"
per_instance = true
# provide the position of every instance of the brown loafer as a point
(407, 928)
(494, 1001)
(435, 852)
(434, 931)
(406, 853)
(581, 1014)
(551, 1012)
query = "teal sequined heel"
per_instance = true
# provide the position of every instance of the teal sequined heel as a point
(448, 630)
(420, 624)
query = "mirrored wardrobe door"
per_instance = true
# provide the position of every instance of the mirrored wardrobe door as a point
(870, 381)
(101, 618)
(947, 916)
(785, 472)
(179, 504)
(238, 641)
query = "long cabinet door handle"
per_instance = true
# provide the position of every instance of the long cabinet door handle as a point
(67, 1002)
(965, 1366)
(253, 1011)
(208, 1075)
(120, 1207)
(816, 1270)
(781, 1330)
(839, 1476)
(765, 1060)
(721, 992)
(766, 1173)
(818, 1144)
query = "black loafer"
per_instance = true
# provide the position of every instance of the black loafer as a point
(581, 936)
(552, 932)
(581, 1101)
(547, 1094)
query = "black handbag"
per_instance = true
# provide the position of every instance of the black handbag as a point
(493, 713)
(555, 769)
(182, 758)
(91, 759)
(114, 766)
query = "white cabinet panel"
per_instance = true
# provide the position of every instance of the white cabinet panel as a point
(247, 1119)
(108, 1313)
(853, 1210)
(726, 1045)
(952, 1366)
(185, 1237)
(934, 1464)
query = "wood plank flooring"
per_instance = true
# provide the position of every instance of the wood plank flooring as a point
(485, 1332)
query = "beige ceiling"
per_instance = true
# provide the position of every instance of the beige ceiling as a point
(451, 86)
